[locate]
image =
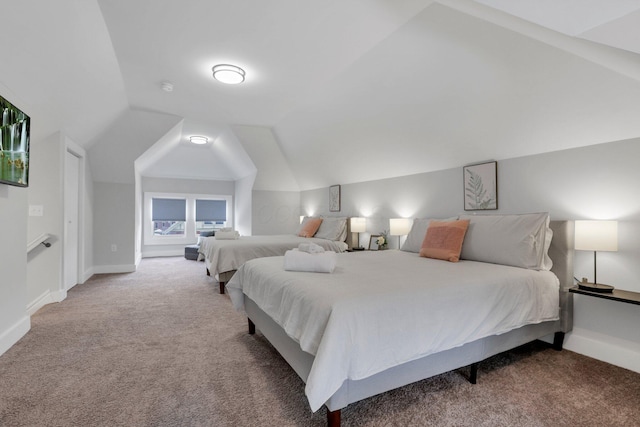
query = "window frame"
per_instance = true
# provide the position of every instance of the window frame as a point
(190, 236)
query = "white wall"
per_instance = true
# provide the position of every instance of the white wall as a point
(46, 189)
(113, 224)
(44, 271)
(596, 182)
(243, 205)
(14, 320)
(275, 212)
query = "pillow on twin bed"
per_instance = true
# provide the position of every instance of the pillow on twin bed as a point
(443, 240)
(204, 235)
(333, 228)
(418, 232)
(516, 240)
(309, 227)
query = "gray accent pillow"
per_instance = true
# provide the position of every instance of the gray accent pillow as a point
(332, 228)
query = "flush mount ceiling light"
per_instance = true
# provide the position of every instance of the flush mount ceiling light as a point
(229, 74)
(166, 86)
(198, 140)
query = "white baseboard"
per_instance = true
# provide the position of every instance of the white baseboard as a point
(125, 268)
(11, 336)
(41, 301)
(171, 252)
(47, 297)
(87, 275)
(615, 351)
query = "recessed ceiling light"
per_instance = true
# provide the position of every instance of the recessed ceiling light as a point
(198, 140)
(229, 74)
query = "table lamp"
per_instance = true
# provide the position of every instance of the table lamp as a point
(358, 225)
(399, 227)
(596, 236)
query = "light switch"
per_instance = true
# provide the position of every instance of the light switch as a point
(36, 210)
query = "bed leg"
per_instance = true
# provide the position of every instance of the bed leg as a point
(333, 418)
(208, 272)
(221, 288)
(252, 327)
(473, 373)
(558, 340)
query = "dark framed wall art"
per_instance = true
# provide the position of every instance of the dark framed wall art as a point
(14, 145)
(481, 186)
(334, 198)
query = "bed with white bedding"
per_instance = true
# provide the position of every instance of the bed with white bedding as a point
(385, 319)
(223, 257)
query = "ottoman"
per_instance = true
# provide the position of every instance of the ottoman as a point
(191, 252)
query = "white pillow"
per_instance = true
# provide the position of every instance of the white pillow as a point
(516, 240)
(417, 233)
(332, 228)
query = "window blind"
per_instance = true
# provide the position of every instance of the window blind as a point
(168, 209)
(211, 210)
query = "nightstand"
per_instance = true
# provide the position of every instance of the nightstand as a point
(617, 295)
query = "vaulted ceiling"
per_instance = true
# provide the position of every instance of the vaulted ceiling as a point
(335, 91)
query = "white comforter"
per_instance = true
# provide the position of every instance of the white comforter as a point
(227, 255)
(383, 308)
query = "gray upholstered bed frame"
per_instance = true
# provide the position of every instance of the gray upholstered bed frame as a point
(470, 354)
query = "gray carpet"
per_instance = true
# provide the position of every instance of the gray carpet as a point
(161, 347)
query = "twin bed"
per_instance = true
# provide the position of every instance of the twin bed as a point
(385, 319)
(223, 257)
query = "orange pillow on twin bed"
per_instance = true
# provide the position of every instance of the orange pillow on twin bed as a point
(310, 227)
(444, 240)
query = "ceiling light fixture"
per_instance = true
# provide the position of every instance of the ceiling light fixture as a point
(166, 86)
(229, 74)
(198, 140)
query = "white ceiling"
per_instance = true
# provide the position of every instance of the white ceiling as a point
(335, 92)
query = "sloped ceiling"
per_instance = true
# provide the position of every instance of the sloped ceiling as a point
(340, 92)
(57, 64)
(336, 92)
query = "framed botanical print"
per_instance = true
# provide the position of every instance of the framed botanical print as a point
(334, 198)
(481, 186)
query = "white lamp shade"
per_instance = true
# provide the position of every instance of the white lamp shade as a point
(596, 236)
(399, 226)
(358, 224)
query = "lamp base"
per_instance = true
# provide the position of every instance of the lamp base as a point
(595, 287)
(357, 248)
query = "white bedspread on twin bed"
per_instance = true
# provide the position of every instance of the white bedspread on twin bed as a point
(227, 255)
(379, 309)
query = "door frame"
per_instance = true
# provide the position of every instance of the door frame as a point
(77, 151)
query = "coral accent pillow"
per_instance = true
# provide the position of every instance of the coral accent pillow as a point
(310, 227)
(444, 240)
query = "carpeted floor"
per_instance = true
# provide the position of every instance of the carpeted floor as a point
(161, 347)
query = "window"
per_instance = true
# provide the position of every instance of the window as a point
(179, 218)
(169, 216)
(210, 214)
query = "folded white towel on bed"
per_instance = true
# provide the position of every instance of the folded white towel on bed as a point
(311, 248)
(296, 260)
(227, 235)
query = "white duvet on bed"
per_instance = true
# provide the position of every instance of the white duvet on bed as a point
(380, 309)
(227, 255)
